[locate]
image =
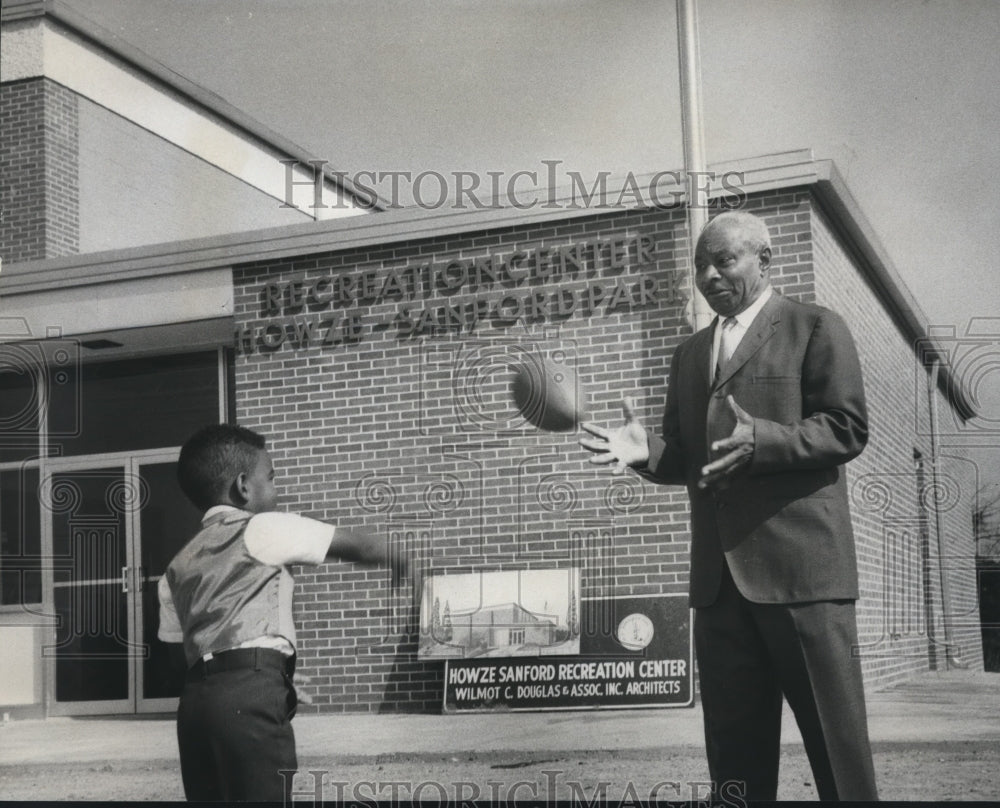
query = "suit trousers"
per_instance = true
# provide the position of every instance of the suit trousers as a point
(749, 656)
(234, 730)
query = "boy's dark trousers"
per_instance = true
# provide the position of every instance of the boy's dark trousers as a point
(234, 727)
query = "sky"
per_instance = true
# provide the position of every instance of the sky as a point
(903, 95)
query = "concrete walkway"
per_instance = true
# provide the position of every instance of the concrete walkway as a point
(935, 707)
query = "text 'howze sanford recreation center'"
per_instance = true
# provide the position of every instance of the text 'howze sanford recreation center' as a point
(163, 269)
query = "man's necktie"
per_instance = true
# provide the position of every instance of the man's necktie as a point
(727, 345)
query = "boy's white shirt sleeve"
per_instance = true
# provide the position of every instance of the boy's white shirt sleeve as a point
(278, 539)
(170, 625)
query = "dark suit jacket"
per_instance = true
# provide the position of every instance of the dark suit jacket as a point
(784, 523)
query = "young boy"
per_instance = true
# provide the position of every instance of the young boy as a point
(227, 596)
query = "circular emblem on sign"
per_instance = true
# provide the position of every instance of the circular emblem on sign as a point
(635, 632)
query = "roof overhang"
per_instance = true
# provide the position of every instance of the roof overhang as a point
(48, 38)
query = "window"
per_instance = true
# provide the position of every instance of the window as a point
(19, 404)
(20, 537)
(132, 404)
(127, 405)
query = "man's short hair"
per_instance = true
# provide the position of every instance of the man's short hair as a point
(211, 460)
(756, 234)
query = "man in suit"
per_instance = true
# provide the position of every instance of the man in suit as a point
(763, 409)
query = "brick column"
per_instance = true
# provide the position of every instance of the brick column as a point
(39, 191)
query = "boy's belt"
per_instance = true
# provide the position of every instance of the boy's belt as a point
(242, 659)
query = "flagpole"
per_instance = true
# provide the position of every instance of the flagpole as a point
(695, 167)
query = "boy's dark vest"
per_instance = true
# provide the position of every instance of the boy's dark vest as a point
(223, 595)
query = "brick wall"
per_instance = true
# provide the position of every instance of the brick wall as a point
(896, 496)
(416, 435)
(38, 159)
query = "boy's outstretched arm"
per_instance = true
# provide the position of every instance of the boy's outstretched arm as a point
(283, 538)
(365, 546)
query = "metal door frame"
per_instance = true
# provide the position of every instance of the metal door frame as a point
(131, 581)
(142, 704)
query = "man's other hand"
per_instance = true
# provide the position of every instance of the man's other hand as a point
(738, 449)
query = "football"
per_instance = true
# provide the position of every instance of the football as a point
(548, 395)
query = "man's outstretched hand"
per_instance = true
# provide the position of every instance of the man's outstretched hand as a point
(738, 448)
(625, 446)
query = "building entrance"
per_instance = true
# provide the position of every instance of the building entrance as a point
(115, 521)
(90, 516)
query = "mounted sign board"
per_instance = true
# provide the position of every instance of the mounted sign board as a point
(633, 652)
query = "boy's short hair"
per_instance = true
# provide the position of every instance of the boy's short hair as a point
(212, 458)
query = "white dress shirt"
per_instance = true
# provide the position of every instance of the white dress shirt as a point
(739, 329)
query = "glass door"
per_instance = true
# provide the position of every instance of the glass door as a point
(115, 522)
(91, 651)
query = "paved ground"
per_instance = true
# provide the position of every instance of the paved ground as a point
(935, 737)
